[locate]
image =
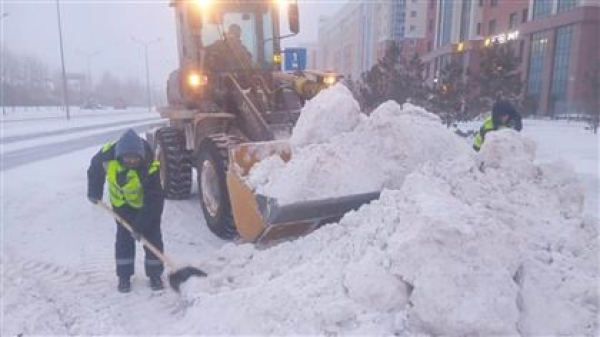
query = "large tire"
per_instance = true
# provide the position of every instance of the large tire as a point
(212, 185)
(176, 165)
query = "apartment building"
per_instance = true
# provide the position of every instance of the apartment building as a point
(562, 46)
(556, 40)
(354, 39)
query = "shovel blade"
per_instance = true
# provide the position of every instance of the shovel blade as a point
(181, 275)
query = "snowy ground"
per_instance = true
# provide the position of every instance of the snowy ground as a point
(58, 268)
(569, 142)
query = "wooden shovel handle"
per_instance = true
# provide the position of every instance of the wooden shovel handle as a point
(170, 265)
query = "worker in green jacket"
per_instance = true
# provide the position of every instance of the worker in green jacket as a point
(503, 115)
(135, 192)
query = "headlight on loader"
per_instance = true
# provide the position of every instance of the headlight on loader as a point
(329, 80)
(203, 4)
(196, 80)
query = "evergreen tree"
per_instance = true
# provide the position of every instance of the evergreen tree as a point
(393, 78)
(413, 81)
(499, 75)
(451, 94)
(379, 83)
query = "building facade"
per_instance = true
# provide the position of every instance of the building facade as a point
(354, 39)
(459, 29)
(557, 41)
(561, 48)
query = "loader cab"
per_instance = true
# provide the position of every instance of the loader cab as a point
(247, 30)
(208, 50)
(211, 22)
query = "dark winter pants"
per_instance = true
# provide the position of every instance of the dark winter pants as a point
(125, 245)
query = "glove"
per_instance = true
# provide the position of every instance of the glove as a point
(93, 200)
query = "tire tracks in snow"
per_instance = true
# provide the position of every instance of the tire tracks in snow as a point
(50, 299)
(41, 303)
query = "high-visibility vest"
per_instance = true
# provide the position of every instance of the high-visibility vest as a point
(488, 125)
(131, 192)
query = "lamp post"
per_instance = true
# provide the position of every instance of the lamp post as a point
(2, 17)
(62, 61)
(146, 44)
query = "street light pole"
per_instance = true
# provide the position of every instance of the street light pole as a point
(2, 93)
(146, 44)
(62, 61)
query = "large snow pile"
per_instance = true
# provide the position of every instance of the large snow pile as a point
(338, 151)
(333, 112)
(481, 244)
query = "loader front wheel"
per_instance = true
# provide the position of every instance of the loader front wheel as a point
(212, 189)
(176, 166)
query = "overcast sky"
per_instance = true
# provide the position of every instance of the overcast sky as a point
(107, 26)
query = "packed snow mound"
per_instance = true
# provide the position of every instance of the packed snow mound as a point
(504, 149)
(377, 153)
(466, 245)
(331, 112)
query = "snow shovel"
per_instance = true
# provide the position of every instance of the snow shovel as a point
(176, 276)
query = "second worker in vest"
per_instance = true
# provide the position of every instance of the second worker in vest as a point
(136, 195)
(504, 115)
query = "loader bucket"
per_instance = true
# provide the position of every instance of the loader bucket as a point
(262, 219)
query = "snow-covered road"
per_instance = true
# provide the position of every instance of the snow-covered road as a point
(29, 136)
(57, 249)
(41, 149)
(17, 138)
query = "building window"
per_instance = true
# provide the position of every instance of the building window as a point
(493, 3)
(480, 3)
(429, 46)
(541, 8)
(445, 60)
(560, 71)
(521, 49)
(413, 14)
(430, 25)
(478, 28)
(412, 28)
(539, 46)
(512, 21)
(445, 28)
(465, 20)
(525, 15)
(565, 5)
(492, 27)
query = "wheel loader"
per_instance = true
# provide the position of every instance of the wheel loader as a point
(228, 105)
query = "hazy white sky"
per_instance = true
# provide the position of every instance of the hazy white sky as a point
(107, 26)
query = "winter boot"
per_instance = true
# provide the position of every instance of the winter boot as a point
(156, 283)
(124, 285)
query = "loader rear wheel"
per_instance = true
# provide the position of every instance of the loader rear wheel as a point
(212, 186)
(176, 166)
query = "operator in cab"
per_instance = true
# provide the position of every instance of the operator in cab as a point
(230, 53)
